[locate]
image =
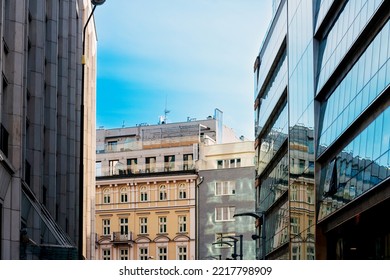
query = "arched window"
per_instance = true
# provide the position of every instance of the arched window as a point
(163, 192)
(143, 194)
(124, 196)
(182, 191)
(106, 196)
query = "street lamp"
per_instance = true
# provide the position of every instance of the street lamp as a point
(235, 240)
(260, 220)
(95, 3)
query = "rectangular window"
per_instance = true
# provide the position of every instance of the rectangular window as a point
(169, 163)
(228, 163)
(143, 222)
(294, 222)
(106, 254)
(188, 161)
(143, 254)
(124, 254)
(296, 252)
(113, 170)
(182, 224)
(224, 213)
(106, 227)
(150, 164)
(182, 252)
(112, 146)
(235, 162)
(162, 253)
(225, 188)
(124, 225)
(132, 166)
(162, 224)
(98, 168)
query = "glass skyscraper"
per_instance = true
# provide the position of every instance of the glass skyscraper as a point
(322, 134)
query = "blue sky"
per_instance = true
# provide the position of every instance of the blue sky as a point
(189, 57)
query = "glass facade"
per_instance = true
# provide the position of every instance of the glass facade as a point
(350, 22)
(363, 164)
(364, 82)
(322, 143)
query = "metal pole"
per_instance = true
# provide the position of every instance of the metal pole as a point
(241, 247)
(263, 237)
(81, 165)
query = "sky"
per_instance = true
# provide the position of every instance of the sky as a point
(186, 57)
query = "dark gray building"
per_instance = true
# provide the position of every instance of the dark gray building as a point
(226, 188)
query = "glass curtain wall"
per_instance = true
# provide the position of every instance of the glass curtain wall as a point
(301, 130)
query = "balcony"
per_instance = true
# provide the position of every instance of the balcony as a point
(118, 237)
(120, 169)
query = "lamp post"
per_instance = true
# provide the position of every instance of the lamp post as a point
(260, 219)
(95, 3)
(235, 240)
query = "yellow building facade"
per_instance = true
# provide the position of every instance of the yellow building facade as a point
(146, 218)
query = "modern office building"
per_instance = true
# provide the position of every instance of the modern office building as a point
(322, 143)
(226, 187)
(40, 58)
(145, 188)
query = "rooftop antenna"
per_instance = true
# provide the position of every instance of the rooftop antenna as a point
(166, 111)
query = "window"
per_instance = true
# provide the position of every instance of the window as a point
(124, 225)
(296, 252)
(163, 193)
(162, 253)
(112, 164)
(235, 162)
(112, 146)
(106, 254)
(106, 196)
(98, 168)
(162, 225)
(294, 193)
(124, 254)
(182, 252)
(294, 222)
(224, 213)
(150, 164)
(143, 254)
(131, 165)
(169, 163)
(310, 252)
(182, 224)
(225, 188)
(143, 194)
(228, 163)
(188, 161)
(124, 195)
(182, 191)
(106, 226)
(143, 225)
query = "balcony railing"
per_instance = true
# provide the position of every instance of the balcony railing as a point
(122, 169)
(121, 237)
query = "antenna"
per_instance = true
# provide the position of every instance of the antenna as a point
(166, 111)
